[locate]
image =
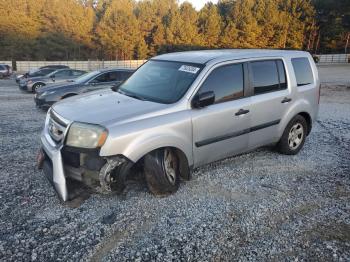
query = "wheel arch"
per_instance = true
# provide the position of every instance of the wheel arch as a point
(303, 108)
(308, 120)
(37, 83)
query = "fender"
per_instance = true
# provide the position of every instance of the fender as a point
(301, 105)
(142, 145)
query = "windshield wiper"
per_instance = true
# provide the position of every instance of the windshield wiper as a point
(131, 95)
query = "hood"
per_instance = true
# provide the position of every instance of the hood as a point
(105, 107)
(54, 87)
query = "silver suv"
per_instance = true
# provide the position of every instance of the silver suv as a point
(179, 111)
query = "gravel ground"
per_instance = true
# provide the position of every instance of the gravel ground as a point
(257, 206)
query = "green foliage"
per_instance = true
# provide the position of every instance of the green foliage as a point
(129, 29)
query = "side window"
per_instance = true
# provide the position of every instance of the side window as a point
(114, 76)
(264, 76)
(124, 75)
(77, 72)
(226, 82)
(303, 72)
(101, 78)
(62, 73)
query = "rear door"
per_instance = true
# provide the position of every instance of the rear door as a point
(221, 130)
(271, 98)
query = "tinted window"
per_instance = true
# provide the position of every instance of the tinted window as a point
(101, 78)
(114, 76)
(281, 74)
(303, 72)
(124, 75)
(2, 67)
(265, 76)
(77, 72)
(226, 82)
(63, 73)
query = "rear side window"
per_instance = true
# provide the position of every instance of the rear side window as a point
(77, 72)
(265, 76)
(124, 75)
(303, 72)
(226, 82)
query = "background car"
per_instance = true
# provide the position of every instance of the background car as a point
(46, 96)
(41, 71)
(5, 70)
(33, 83)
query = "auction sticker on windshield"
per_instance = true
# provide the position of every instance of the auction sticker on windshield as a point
(189, 69)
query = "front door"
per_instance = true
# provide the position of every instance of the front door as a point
(221, 129)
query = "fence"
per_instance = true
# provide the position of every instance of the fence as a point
(6, 62)
(334, 58)
(81, 65)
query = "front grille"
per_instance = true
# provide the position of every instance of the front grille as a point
(57, 127)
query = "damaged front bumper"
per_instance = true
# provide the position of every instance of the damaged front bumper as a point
(63, 165)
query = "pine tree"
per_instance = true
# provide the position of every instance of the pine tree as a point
(209, 23)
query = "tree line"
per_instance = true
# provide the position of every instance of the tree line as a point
(128, 29)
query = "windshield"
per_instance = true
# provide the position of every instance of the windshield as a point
(86, 77)
(161, 81)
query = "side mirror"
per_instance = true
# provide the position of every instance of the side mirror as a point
(203, 99)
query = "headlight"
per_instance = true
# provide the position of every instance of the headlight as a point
(46, 93)
(86, 135)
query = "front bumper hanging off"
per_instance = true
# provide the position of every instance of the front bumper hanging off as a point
(61, 166)
(57, 177)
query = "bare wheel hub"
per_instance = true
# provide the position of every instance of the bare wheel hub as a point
(296, 135)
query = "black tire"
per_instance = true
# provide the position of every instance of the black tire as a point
(37, 86)
(287, 144)
(159, 181)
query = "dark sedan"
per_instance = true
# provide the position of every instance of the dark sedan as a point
(46, 96)
(41, 71)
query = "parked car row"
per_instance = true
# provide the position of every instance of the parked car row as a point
(41, 71)
(56, 82)
(48, 95)
(175, 113)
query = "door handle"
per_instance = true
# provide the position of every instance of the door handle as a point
(286, 100)
(242, 112)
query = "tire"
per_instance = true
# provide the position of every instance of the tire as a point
(293, 137)
(161, 168)
(37, 86)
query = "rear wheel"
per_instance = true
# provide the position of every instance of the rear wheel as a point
(162, 171)
(293, 137)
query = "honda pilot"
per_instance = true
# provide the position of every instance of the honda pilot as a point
(177, 112)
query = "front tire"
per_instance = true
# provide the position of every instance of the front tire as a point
(293, 137)
(161, 168)
(37, 86)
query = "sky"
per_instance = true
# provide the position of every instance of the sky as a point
(198, 4)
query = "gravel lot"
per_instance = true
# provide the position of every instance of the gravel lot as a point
(257, 206)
